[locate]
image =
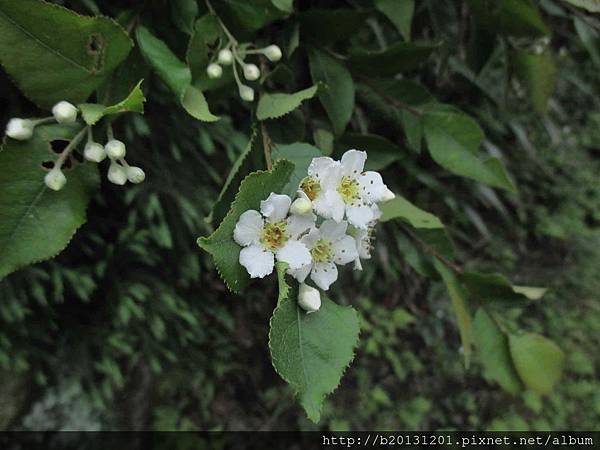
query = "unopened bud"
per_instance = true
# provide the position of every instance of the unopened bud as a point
(117, 174)
(309, 298)
(301, 206)
(55, 179)
(20, 129)
(64, 112)
(273, 53)
(135, 174)
(115, 149)
(388, 195)
(94, 152)
(214, 71)
(247, 93)
(225, 57)
(251, 72)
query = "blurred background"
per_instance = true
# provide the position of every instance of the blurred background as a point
(131, 327)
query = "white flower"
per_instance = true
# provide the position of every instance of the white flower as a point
(135, 174)
(115, 149)
(55, 179)
(246, 93)
(225, 57)
(20, 129)
(271, 235)
(117, 174)
(64, 112)
(273, 53)
(214, 71)
(309, 298)
(94, 152)
(363, 238)
(251, 72)
(329, 245)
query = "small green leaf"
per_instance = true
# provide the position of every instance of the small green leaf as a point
(183, 14)
(284, 5)
(496, 287)
(255, 187)
(512, 17)
(35, 222)
(453, 141)
(92, 112)
(381, 152)
(195, 104)
(248, 16)
(539, 361)
(460, 307)
(54, 54)
(592, 6)
(338, 97)
(311, 351)
(400, 57)
(539, 73)
(273, 106)
(400, 208)
(299, 153)
(492, 345)
(400, 13)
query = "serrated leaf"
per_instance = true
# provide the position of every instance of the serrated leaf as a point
(273, 106)
(453, 141)
(35, 222)
(255, 187)
(400, 208)
(400, 13)
(494, 354)
(539, 73)
(54, 54)
(460, 307)
(539, 361)
(399, 57)
(590, 5)
(311, 351)
(93, 112)
(300, 154)
(175, 74)
(338, 97)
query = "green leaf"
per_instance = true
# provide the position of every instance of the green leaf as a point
(273, 106)
(539, 72)
(453, 141)
(400, 57)
(400, 13)
(400, 208)
(496, 287)
(92, 112)
(381, 152)
(54, 54)
(338, 97)
(284, 5)
(206, 33)
(512, 17)
(300, 154)
(325, 26)
(589, 39)
(311, 351)
(248, 16)
(183, 14)
(37, 223)
(539, 361)
(175, 73)
(460, 307)
(494, 353)
(255, 187)
(590, 5)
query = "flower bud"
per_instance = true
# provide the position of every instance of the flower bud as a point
(214, 71)
(225, 57)
(273, 53)
(117, 174)
(247, 93)
(115, 149)
(55, 179)
(20, 129)
(309, 298)
(301, 206)
(64, 112)
(251, 72)
(388, 195)
(135, 174)
(94, 152)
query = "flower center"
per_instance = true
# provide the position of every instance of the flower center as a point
(311, 187)
(349, 189)
(273, 235)
(321, 251)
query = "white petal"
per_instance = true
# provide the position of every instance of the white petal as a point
(344, 250)
(301, 273)
(275, 207)
(376, 212)
(298, 224)
(359, 216)
(309, 239)
(331, 177)
(247, 229)
(330, 205)
(332, 230)
(257, 261)
(324, 274)
(372, 188)
(363, 244)
(318, 166)
(353, 162)
(295, 253)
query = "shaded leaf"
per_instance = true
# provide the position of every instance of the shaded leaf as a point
(400, 13)
(496, 287)
(399, 57)
(299, 153)
(92, 112)
(590, 5)
(206, 33)
(183, 14)
(400, 208)
(324, 26)
(273, 106)
(381, 152)
(512, 17)
(539, 72)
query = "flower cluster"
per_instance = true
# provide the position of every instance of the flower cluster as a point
(329, 224)
(119, 171)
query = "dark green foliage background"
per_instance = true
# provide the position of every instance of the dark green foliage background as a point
(131, 327)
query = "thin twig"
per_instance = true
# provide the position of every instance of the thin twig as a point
(69, 148)
(266, 145)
